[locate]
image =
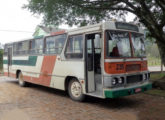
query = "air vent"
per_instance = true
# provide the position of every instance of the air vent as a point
(134, 79)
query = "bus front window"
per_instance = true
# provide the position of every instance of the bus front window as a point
(118, 44)
(138, 45)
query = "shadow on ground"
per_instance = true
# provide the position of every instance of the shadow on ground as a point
(117, 103)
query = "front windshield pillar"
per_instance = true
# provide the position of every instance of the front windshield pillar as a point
(132, 50)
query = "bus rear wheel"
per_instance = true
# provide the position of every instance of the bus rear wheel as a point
(21, 82)
(75, 90)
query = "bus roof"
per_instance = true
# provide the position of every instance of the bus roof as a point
(108, 25)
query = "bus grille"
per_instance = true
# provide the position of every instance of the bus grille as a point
(134, 79)
(133, 67)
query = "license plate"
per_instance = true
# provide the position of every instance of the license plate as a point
(138, 90)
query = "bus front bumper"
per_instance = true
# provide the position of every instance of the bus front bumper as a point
(127, 91)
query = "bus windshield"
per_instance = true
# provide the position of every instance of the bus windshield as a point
(138, 45)
(118, 44)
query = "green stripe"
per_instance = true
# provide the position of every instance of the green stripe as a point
(30, 62)
(125, 92)
(5, 61)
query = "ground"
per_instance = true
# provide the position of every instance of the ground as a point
(41, 103)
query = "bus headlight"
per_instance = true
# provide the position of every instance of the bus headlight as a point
(114, 81)
(120, 80)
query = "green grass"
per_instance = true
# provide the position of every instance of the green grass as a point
(157, 76)
(156, 92)
(153, 61)
(154, 77)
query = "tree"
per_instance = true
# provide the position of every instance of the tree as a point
(1, 59)
(81, 12)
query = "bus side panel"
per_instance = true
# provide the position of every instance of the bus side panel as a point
(37, 70)
(64, 68)
(46, 70)
(29, 65)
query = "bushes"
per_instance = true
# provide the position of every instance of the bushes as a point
(1, 59)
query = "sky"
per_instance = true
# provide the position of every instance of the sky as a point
(14, 18)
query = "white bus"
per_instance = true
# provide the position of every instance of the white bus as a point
(105, 60)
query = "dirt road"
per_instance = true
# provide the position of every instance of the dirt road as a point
(41, 103)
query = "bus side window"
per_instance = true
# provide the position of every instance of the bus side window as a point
(25, 47)
(74, 48)
(50, 45)
(54, 44)
(5, 49)
(36, 46)
(59, 43)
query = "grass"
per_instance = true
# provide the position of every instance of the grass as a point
(153, 61)
(157, 76)
(156, 92)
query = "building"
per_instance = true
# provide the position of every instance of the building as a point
(43, 31)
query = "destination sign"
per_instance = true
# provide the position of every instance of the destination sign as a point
(126, 26)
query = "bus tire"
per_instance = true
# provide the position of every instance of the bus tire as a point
(21, 82)
(75, 90)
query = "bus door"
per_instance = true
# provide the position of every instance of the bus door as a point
(9, 59)
(92, 61)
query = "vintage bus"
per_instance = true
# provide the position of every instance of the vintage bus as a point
(105, 60)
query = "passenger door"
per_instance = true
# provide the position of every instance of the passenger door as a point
(89, 65)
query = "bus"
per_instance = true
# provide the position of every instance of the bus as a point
(105, 60)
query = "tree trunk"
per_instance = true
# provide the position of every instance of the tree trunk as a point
(161, 48)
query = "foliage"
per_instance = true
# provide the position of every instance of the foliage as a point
(156, 92)
(69, 12)
(81, 12)
(152, 51)
(157, 76)
(1, 59)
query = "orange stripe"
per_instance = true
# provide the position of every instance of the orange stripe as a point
(46, 70)
(5, 73)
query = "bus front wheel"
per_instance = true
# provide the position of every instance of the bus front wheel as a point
(21, 82)
(75, 90)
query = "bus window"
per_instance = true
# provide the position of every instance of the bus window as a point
(50, 45)
(74, 48)
(59, 43)
(36, 46)
(54, 44)
(25, 47)
(21, 48)
(5, 50)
